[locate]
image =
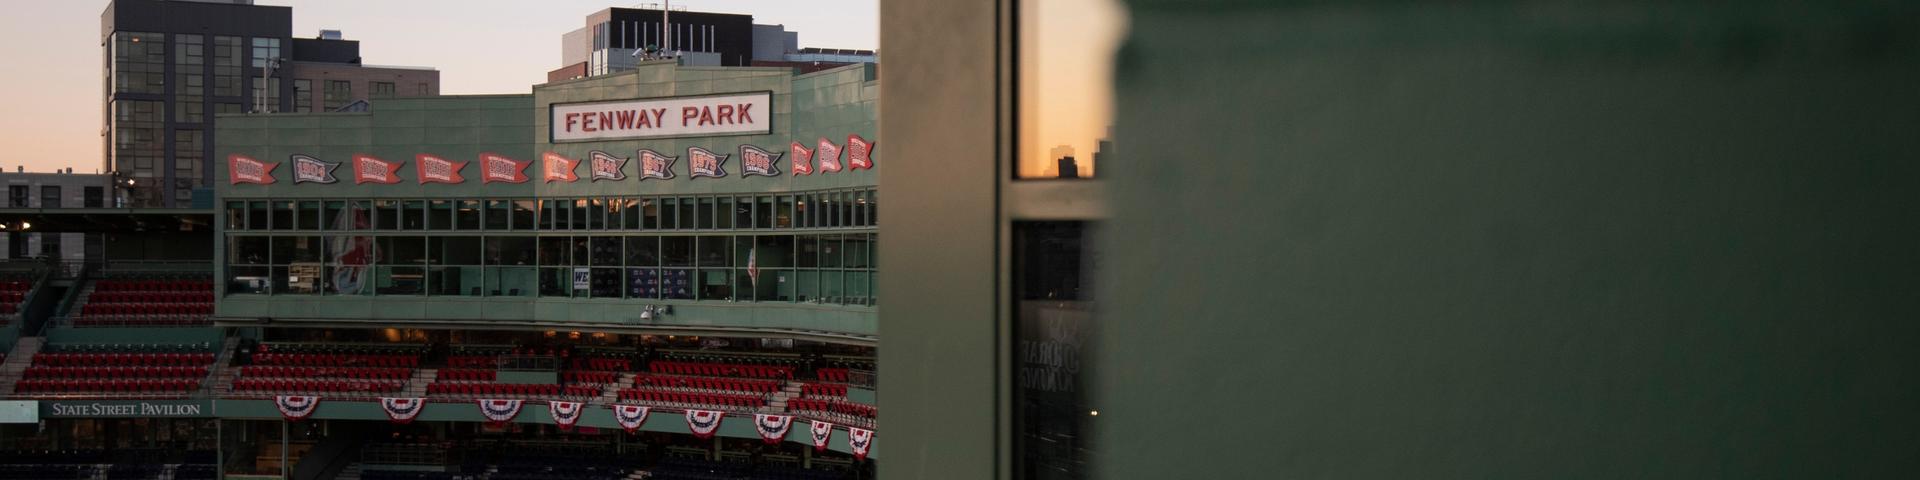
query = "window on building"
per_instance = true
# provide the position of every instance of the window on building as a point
(137, 149)
(338, 94)
(265, 49)
(189, 58)
(380, 90)
(189, 156)
(139, 62)
(50, 196)
(423, 89)
(226, 66)
(17, 196)
(50, 244)
(468, 253)
(302, 95)
(93, 197)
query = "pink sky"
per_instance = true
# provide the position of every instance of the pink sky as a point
(51, 94)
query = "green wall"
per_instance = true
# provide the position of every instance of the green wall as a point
(1512, 240)
(210, 336)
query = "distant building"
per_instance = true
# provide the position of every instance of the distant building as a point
(38, 190)
(1068, 168)
(172, 66)
(618, 39)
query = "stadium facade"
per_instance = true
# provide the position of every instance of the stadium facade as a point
(443, 287)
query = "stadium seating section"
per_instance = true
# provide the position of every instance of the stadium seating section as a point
(146, 302)
(116, 370)
(678, 399)
(12, 293)
(823, 390)
(715, 369)
(511, 390)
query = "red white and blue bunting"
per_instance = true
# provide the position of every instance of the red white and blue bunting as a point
(499, 412)
(296, 407)
(704, 422)
(822, 431)
(565, 414)
(402, 410)
(772, 428)
(860, 440)
(630, 416)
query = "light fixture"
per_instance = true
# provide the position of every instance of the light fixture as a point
(1094, 413)
(25, 225)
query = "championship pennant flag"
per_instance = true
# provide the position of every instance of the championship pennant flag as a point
(859, 153)
(630, 416)
(773, 428)
(860, 440)
(244, 169)
(822, 432)
(296, 407)
(606, 166)
(499, 168)
(655, 165)
(432, 169)
(367, 169)
(758, 161)
(704, 163)
(499, 412)
(802, 159)
(564, 414)
(402, 410)
(312, 170)
(704, 422)
(829, 155)
(557, 167)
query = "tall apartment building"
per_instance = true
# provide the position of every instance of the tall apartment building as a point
(172, 65)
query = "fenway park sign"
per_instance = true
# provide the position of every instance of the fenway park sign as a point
(695, 116)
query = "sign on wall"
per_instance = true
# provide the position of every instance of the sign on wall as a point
(307, 169)
(433, 169)
(125, 409)
(695, 116)
(245, 169)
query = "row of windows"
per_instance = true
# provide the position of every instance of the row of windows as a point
(826, 268)
(17, 196)
(139, 62)
(833, 209)
(832, 250)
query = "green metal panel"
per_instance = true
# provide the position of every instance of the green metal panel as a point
(508, 376)
(1510, 240)
(210, 336)
(938, 362)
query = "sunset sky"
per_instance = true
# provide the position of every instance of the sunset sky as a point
(1066, 81)
(51, 93)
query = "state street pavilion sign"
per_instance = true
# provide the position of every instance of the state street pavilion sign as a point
(748, 113)
(125, 408)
